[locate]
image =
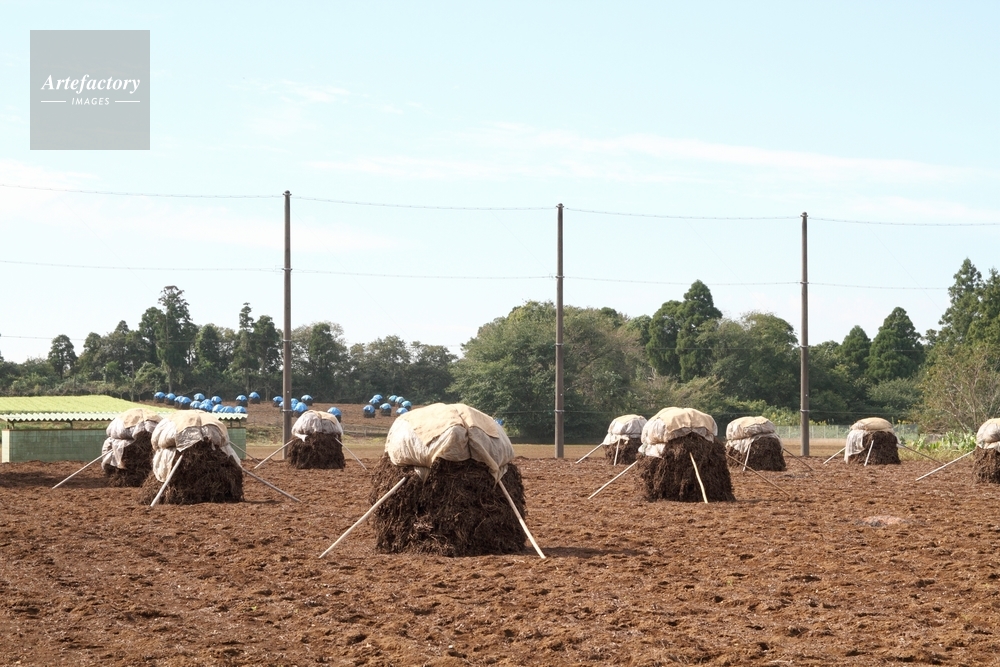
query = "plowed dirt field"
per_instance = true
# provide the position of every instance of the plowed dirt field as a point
(855, 566)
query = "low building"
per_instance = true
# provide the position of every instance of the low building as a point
(72, 428)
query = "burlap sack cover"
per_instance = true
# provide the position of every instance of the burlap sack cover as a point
(742, 432)
(624, 427)
(123, 429)
(988, 435)
(180, 430)
(312, 422)
(861, 428)
(452, 432)
(672, 423)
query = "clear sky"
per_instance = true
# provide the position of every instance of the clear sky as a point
(853, 110)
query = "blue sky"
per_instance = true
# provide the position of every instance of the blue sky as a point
(867, 111)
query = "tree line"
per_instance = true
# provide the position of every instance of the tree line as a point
(686, 353)
(167, 351)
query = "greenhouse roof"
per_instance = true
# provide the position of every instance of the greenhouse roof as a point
(76, 408)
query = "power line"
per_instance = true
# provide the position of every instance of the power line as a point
(677, 217)
(261, 270)
(421, 206)
(137, 194)
(388, 275)
(890, 287)
(656, 282)
(908, 224)
(138, 268)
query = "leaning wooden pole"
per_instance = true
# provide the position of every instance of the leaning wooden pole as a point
(267, 483)
(274, 453)
(612, 479)
(354, 455)
(698, 477)
(835, 455)
(520, 519)
(589, 453)
(163, 488)
(364, 517)
(103, 454)
(762, 477)
(944, 466)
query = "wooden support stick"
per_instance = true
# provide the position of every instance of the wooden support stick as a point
(520, 519)
(103, 454)
(588, 453)
(245, 452)
(870, 447)
(944, 466)
(612, 479)
(617, 445)
(748, 457)
(354, 455)
(698, 477)
(274, 453)
(267, 483)
(800, 458)
(835, 455)
(367, 514)
(930, 458)
(763, 478)
(163, 488)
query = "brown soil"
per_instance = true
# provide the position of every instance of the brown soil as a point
(884, 450)
(137, 460)
(625, 453)
(87, 577)
(318, 450)
(986, 466)
(205, 474)
(765, 454)
(673, 477)
(457, 511)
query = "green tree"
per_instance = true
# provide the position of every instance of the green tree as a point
(508, 370)
(756, 359)
(62, 356)
(174, 334)
(320, 359)
(854, 351)
(244, 361)
(961, 388)
(430, 373)
(210, 358)
(896, 351)
(267, 353)
(964, 295)
(661, 339)
(699, 316)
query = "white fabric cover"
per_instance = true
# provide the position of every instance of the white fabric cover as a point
(452, 432)
(624, 427)
(861, 428)
(112, 450)
(988, 435)
(180, 430)
(672, 423)
(123, 429)
(743, 432)
(311, 422)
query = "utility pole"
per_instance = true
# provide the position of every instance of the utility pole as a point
(559, 334)
(286, 353)
(804, 344)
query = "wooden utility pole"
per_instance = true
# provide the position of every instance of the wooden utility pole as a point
(286, 353)
(804, 344)
(559, 334)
